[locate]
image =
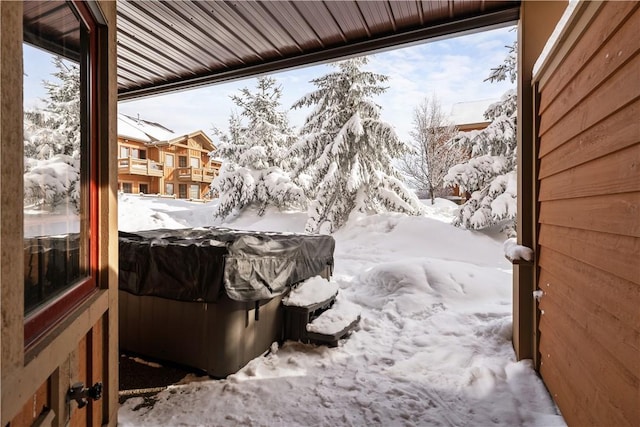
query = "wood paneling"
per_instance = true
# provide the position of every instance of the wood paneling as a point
(616, 132)
(614, 295)
(34, 407)
(589, 219)
(612, 253)
(620, 340)
(616, 173)
(581, 396)
(624, 84)
(575, 60)
(613, 213)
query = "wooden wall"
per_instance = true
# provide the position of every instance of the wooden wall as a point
(589, 216)
(82, 347)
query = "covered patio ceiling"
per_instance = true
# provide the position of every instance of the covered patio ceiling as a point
(171, 45)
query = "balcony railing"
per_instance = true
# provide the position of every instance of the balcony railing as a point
(145, 167)
(195, 174)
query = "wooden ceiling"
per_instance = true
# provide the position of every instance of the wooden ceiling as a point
(170, 45)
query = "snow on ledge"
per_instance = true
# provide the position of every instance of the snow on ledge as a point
(312, 291)
(515, 252)
(332, 321)
(557, 33)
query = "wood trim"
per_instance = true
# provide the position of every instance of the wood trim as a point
(595, 71)
(568, 36)
(575, 32)
(50, 353)
(11, 211)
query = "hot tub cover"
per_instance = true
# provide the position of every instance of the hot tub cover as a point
(198, 264)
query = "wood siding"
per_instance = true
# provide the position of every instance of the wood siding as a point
(82, 346)
(589, 218)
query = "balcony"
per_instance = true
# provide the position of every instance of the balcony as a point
(144, 167)
(195, 174)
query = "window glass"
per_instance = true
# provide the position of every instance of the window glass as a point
(182, 191)
(194, 191)
(168, 160)
(127, 187)
(124, 152)
(195, 162)
(57, 174)
(168, 189)
(182, 161)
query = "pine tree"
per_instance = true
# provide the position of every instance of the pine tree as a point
(254, 153)
(52, 141)
(490, 175)
(347, 151)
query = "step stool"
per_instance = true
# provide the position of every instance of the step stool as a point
(296, 318)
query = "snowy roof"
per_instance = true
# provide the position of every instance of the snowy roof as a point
(142, 130)
(463, 113)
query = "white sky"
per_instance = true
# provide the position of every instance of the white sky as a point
(453, 69)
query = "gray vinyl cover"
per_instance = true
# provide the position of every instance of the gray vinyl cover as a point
(198, 264)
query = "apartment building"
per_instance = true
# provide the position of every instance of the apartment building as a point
(152, 159)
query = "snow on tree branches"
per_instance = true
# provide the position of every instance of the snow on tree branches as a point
(490, 175)
(347, 150)
(432, 153)
(52, 141)
(252, 173)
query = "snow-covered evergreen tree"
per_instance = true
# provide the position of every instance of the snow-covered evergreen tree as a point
(253, 154)
(490, 175)
(52, 141)
(347, 151)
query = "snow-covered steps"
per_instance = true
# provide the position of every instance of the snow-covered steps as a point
(334, 324)
(311, 301)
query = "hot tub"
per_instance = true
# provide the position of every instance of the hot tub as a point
(210, 297)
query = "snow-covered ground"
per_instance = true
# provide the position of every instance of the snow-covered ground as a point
(433, 346)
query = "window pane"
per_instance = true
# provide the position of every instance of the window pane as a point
(182, 191)
(124, 152)
(168, 160)
(182, 161)
(194, 192)
(56, 176)
(127, 187)
(195, 162)
(168, 189)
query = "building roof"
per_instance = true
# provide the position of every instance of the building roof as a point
(470, 112)
(142, 130)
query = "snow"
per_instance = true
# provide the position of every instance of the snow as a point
(342, 314)
(142, 130)
(515, 252)
(468, 112)
(433, 346)
(557, 33)
(312, 291)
